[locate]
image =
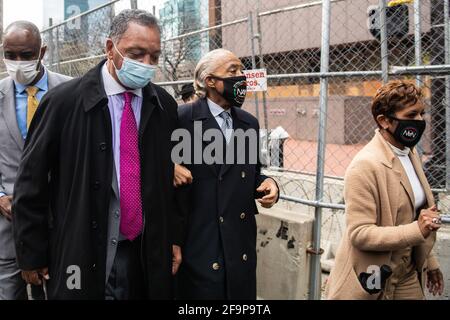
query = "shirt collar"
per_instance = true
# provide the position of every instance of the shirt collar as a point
(399, 152)
(215, 109)
(112, 87)
(42, 84)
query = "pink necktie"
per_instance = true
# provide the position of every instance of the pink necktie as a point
(130, 174)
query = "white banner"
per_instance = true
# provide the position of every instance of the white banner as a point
(256, 80)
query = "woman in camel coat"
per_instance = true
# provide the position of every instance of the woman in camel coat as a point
(390, 211)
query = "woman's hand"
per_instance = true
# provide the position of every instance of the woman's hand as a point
(429, 221)
(435, 282)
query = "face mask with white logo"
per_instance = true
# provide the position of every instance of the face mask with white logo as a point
(23, 72)
(235, 89)
(408, 132)
(134, 74)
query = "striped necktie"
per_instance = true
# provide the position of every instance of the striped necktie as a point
(227, 127)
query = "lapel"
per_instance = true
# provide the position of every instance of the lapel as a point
(387, 157)
(390, 160)
(55, 79)
(95, 95)
(418, 167)
(8, 111)
(51, 80)
(404, 180)
(201, 112)
(238, 123)
(149, 103)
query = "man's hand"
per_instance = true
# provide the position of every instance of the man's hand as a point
(427, 219)
(269, 187)
(5, 207)
(182, 176)
(34, 277)
(435, 282)
(176, 259)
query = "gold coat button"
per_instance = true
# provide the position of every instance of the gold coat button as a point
(244, 257)
(242, 216)
(216, 266)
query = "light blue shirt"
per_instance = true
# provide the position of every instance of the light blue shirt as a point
(21, 100)
(116, 103)
(216, 111)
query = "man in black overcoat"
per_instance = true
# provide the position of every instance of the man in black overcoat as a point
(93, 199)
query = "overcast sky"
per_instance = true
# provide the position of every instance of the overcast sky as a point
(32, 10)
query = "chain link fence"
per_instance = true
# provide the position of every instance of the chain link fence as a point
(324, 60)
(321, 84)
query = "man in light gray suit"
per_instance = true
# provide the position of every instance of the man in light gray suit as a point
(20, 93)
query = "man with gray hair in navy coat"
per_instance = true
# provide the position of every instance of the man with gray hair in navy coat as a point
(219, 238)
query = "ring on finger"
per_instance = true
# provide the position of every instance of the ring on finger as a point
(436, 220)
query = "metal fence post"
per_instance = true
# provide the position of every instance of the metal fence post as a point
(447, 93)
(384, 42)
(50, 44)
(316, 272)
(418, 39)
(418, 52)
(261, 65)
(252, 44)
(58, 60)
(264, 94)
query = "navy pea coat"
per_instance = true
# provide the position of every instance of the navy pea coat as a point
(219, 251)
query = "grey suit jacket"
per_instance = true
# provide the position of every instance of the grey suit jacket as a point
(11, 146)
(113, 224)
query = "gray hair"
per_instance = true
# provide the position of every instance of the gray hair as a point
(119, 24)
(205, 67)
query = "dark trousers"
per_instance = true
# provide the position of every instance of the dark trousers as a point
(37, 292)
(187, 287)
(126, 280)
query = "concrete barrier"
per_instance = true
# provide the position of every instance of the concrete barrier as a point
(302, 186)
(283, 264)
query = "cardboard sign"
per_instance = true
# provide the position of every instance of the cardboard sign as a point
(256, 80)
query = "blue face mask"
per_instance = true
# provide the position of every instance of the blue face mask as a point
(134, 74)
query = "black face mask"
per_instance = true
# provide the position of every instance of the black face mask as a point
(408, 132)
(235, 90)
